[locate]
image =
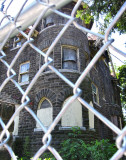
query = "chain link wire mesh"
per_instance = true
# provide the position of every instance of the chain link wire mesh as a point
(46, 7)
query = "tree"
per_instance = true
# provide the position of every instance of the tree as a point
(122, 81)
(108, 9)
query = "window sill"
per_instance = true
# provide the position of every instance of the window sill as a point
(70, 128)
(24, 83)
(15, 48)
(69, 71)
(97, 104)
(92, 129)
(39, 129)
(62, 71)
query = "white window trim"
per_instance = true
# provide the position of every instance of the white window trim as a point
(19, 77)
(16, 122)
(91, 117)
(16, 40)
(77, 52)
(39, 105)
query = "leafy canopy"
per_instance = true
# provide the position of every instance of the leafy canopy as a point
(122, 81)
(108, 9)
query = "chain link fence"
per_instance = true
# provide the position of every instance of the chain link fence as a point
(41, 10)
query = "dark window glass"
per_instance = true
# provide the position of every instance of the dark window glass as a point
(49, 21)
(45, 104)
(69, 59)
(95, 93)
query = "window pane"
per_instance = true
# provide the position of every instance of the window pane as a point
(73, 116)
(24, 78)
(45, 116)
(45, 104)
(70, 65)
(45, 113)
(49, 20)
(24, 67)
(95, 97)
(69, 54)
(93, 88)
(18, 43)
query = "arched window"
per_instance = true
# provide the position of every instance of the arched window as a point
(73, 115)
(45, 112)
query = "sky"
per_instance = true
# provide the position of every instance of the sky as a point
(119, 42)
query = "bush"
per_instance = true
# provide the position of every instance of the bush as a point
(74, 148)
(101, 150)
(26, 149)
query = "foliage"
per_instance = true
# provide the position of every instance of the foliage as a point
(108, 10)
(26, 148)
(85, 14)
(75, 148)
(101, 150)
(18, 144)
(122, 81)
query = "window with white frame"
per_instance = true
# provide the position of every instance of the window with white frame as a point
(24, 72)
(91, 118)
(42, 60)
(17, 42)
(69, 58)
(16, 122)
(73, 115)
(45, 112)
(95, 93)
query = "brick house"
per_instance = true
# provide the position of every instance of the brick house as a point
(71, 55)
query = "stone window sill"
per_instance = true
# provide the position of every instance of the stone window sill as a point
(69, 71)
(39, 129)
(70, 128)
(92, 129)
(15, 48)
(62, 71)
(97, 104)
(24, 83)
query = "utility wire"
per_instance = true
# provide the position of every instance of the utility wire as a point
(117, 58)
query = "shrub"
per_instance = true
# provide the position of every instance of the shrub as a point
(74, 148)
